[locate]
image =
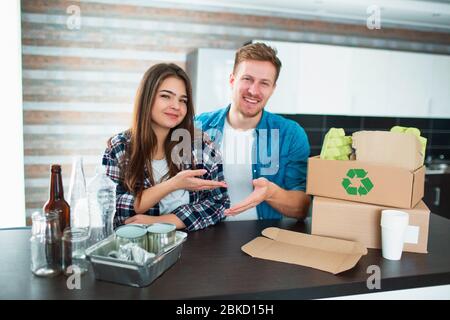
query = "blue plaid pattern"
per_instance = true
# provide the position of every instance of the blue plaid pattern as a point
(205, 208)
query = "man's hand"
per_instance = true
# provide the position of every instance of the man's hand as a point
(262, 191)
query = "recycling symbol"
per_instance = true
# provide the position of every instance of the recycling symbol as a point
(365, 184)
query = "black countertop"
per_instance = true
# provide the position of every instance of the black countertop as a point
(212, 266)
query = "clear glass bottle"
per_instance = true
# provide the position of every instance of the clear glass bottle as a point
(78, 199)
(102, 205)
(45, 244)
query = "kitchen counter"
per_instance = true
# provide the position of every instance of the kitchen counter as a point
(212, 266)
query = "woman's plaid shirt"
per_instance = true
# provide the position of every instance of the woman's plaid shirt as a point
(205, 208)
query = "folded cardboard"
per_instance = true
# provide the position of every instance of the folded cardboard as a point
(361, 222)
(326, 254)
(366, 182)
(388, 148)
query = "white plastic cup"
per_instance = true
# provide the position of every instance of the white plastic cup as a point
(393, 229)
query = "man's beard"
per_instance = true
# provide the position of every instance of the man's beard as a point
(249, 113)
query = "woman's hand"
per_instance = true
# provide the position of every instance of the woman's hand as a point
(187, 180)
(141, 219)
(166, 218)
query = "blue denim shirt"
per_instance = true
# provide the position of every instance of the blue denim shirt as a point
(285, 167)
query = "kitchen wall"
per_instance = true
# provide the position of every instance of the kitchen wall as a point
(79, 83)
(437, 131)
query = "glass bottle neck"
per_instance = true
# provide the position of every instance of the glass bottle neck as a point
(56, 186)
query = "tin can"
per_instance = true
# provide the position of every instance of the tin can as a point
(160, 235)
(131, 233)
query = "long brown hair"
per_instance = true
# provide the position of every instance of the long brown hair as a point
(139, 153)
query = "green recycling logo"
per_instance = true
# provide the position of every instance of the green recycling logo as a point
(365, 184)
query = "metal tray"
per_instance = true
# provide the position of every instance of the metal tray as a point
(128, 272)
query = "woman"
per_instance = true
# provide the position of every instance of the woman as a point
(155, 183)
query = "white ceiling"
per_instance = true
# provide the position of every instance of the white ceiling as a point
(421, 14)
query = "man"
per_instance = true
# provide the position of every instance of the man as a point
(258, 188)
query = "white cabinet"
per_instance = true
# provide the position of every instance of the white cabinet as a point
(314, 79)
(440, 87)
(387, 83)
(409, 79)
(209, 70)
(335, 80)
(307, 71)
(369, 86)
(285, 98)
(324, 86)
(327, 79)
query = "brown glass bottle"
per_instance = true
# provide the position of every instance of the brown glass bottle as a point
(56, 200)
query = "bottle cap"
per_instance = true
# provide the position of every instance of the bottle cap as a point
(56, 168)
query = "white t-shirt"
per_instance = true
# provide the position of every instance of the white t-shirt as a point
(174, 199)
(236, 149)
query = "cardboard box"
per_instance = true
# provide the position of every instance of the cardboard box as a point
(388, 148)
(366, 182)
(361, 222)
(326, 254)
